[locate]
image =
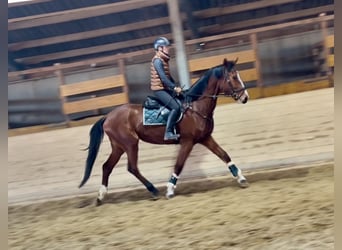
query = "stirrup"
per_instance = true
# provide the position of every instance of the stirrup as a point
(171, 136)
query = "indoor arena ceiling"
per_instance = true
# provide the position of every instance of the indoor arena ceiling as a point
(44, 32)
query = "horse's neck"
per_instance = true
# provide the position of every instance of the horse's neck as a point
(206, 104)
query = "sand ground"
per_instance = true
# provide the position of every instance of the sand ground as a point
(288, 205)
(289, 210)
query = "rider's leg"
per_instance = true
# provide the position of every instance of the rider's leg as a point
(170, 126)
(172, 104)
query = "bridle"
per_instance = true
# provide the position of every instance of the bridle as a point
(234, 93)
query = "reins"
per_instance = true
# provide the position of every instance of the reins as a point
(234, 93)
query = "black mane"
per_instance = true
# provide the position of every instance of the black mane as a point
(197, 89)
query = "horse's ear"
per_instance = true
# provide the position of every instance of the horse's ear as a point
(236, 60)
(225, 62)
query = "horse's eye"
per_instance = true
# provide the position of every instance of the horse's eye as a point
(235, 77)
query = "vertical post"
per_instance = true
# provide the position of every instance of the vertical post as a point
(122, 70)
(177, 32)
(257, 65)
(325, 47)
(60, 75)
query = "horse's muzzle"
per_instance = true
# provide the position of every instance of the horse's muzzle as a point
(244, 99)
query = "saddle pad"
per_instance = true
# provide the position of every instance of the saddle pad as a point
(153, 117)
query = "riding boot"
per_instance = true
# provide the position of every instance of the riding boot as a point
(170, 126)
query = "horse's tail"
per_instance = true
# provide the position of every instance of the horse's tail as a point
(96, 136)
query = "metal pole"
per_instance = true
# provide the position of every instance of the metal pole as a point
(177, 32)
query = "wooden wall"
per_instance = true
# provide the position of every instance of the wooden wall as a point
(250, 38)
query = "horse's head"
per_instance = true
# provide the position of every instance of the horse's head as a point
(231, 84)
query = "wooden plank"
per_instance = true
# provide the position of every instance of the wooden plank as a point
(37, 112)
(331, 60)
(257, 63)
(84, 63)
(95, 103)
(92, 85)
(249, 75)
(81, 13)
(89, 34)
(219, 11)
(33, 101)
(60, 75)
(122, 70)
(330, 41)
(261, 29)
(208, 62)
(264, 20)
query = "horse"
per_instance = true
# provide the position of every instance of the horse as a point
(124, 128)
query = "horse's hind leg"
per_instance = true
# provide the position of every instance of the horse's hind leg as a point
(107, 169)
(212, 145)
(132, 167)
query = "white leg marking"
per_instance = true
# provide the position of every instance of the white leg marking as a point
(241, 178)
(102, 192)
(170, 191)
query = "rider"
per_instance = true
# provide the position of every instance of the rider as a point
(164, 86)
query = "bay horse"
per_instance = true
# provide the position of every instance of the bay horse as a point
(124, 127)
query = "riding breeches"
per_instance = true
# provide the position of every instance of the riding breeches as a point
(168, 100)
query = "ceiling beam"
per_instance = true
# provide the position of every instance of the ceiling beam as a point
(266, 20)
(220, 11)
(142, 41)
(191, 22)
(261, 29)
(113, 58)
(13, 64)
(92, 50)
(81, 13)
(16, 4)
(90, 34)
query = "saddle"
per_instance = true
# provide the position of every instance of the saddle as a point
(155, 113)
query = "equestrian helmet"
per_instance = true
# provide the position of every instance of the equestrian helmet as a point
(161, 41)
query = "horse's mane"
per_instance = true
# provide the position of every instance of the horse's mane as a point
(197, 89)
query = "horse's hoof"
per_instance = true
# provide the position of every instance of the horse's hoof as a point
(169, 196)
(243, 183)
(98, 202)
(155, 195)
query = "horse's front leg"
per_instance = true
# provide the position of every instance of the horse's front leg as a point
(183, 154)
(212, 145)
